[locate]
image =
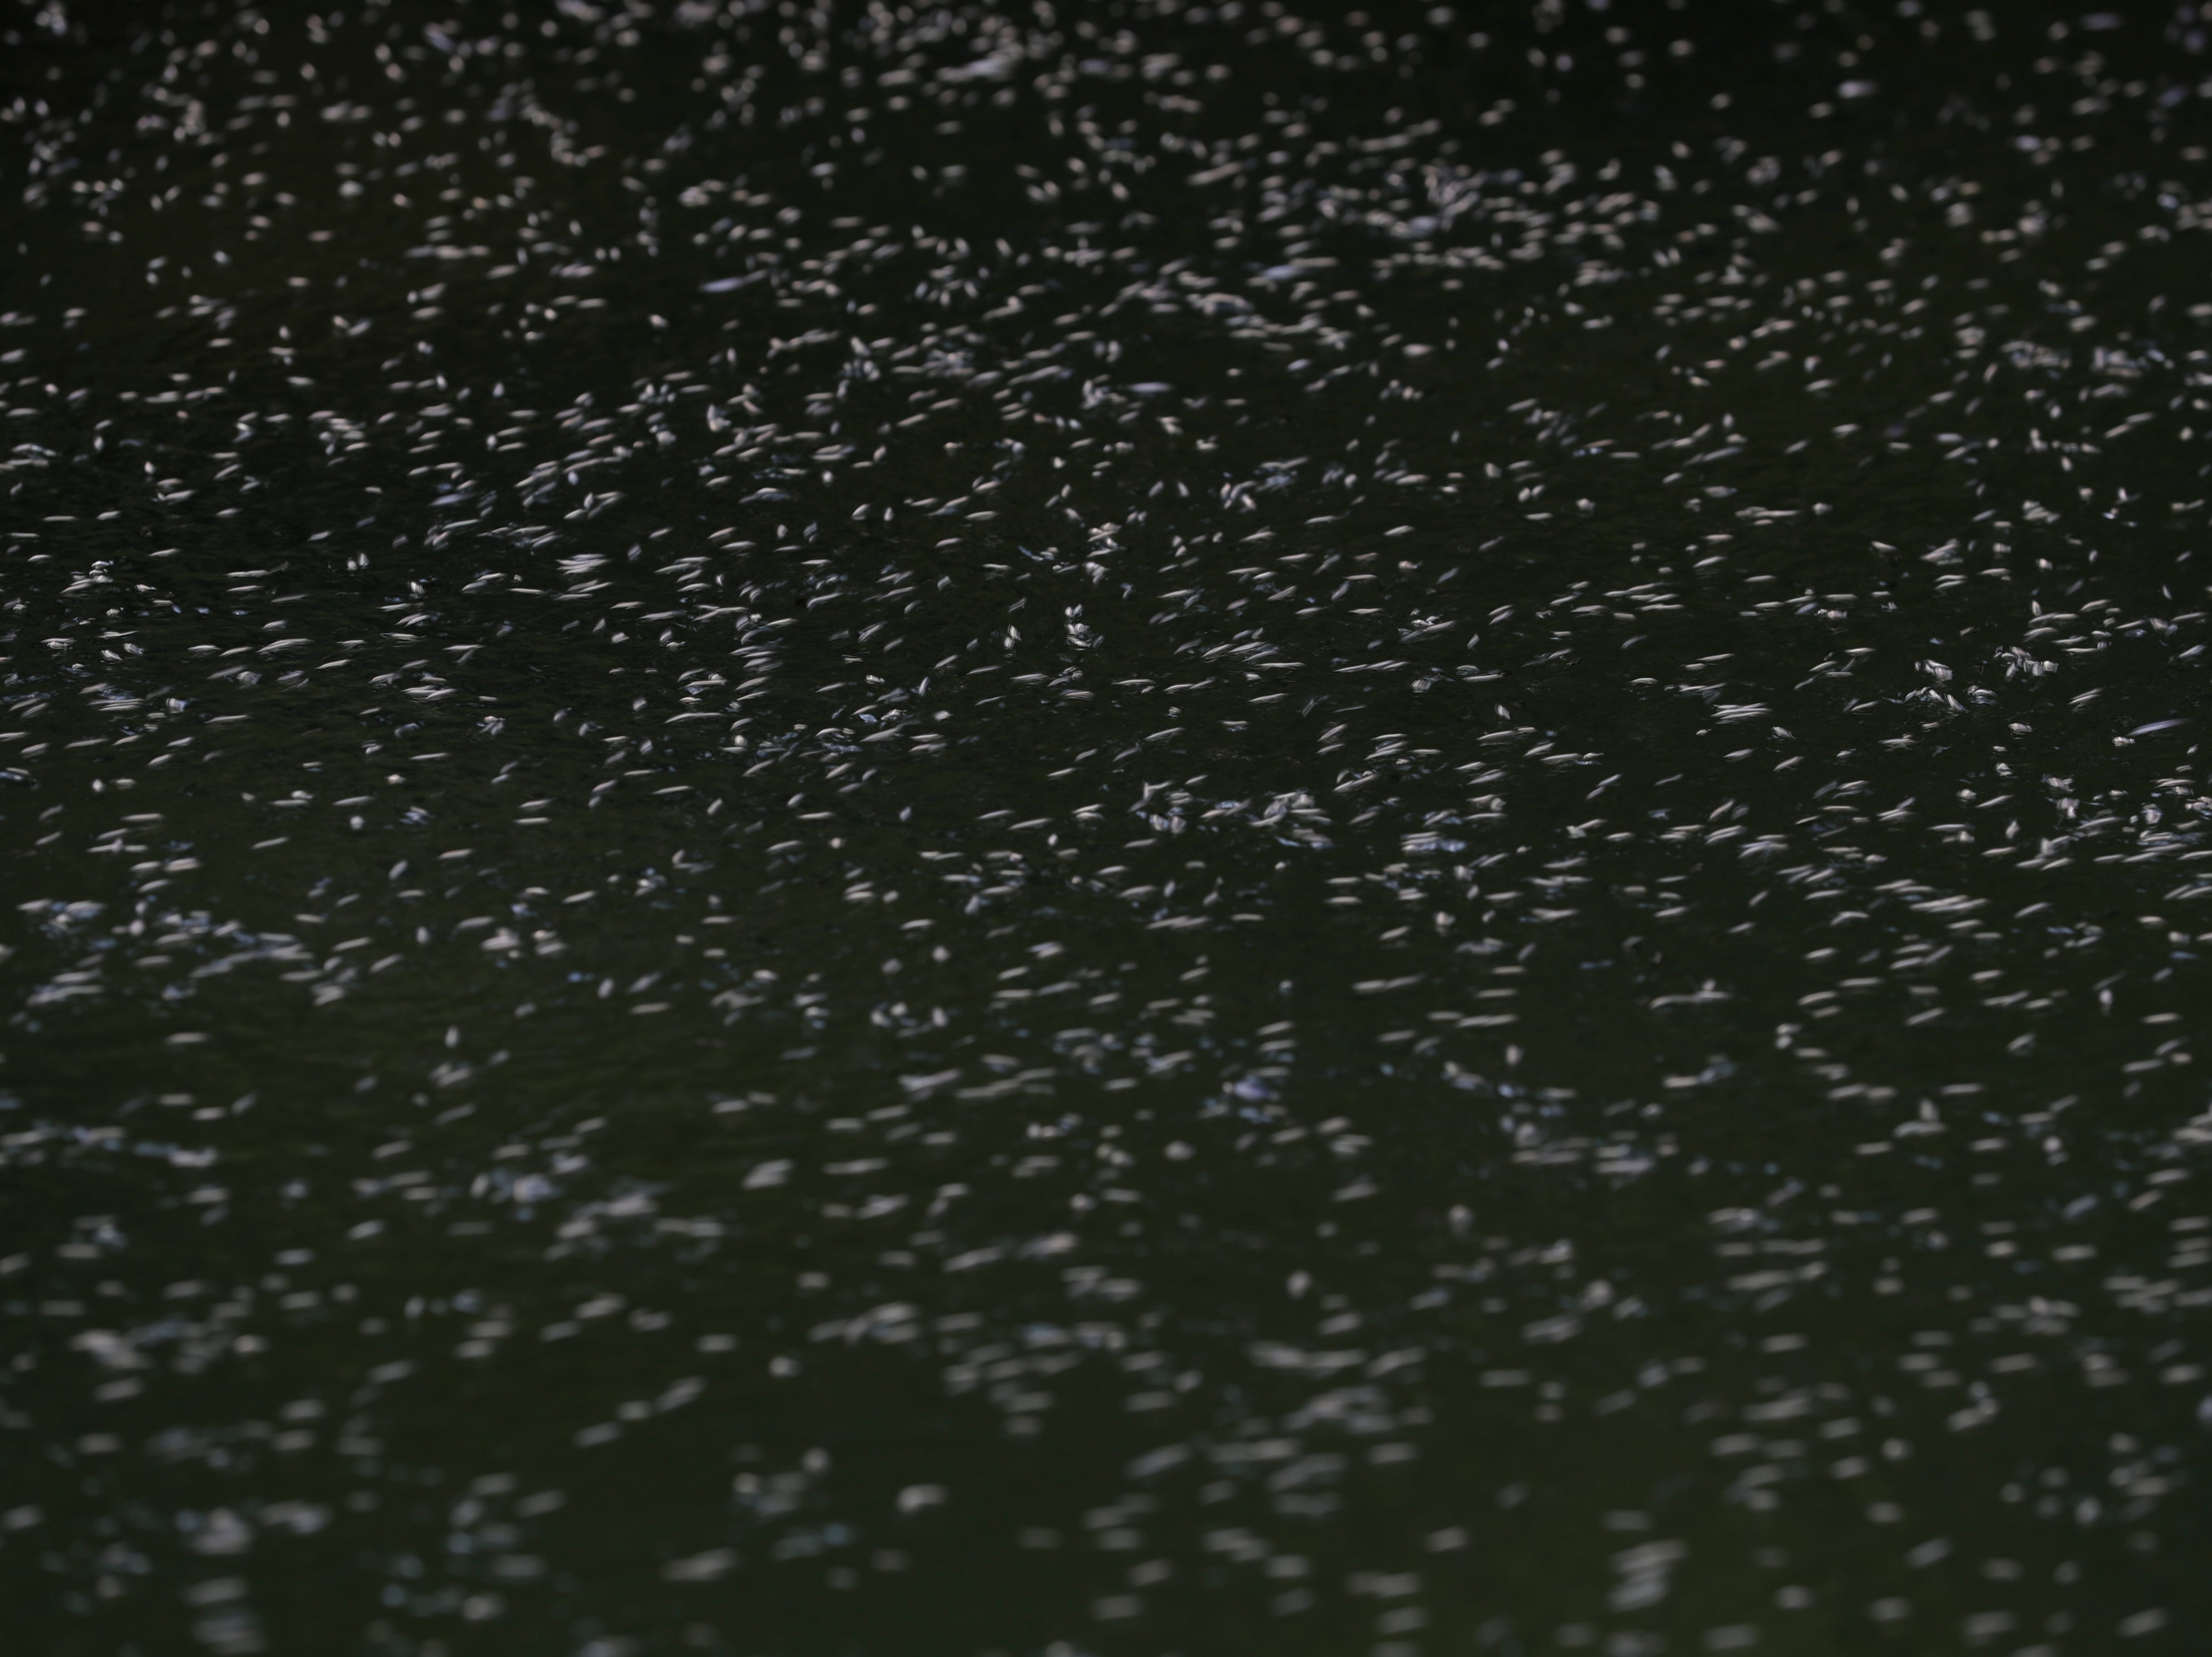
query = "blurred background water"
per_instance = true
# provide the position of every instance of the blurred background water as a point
(1129, 828)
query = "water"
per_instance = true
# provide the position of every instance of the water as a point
(1105, 830)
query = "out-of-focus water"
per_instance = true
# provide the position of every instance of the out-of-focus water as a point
(1111, 829)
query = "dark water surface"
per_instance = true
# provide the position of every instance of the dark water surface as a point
(1105, 829)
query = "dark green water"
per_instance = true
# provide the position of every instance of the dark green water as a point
(1118, 829)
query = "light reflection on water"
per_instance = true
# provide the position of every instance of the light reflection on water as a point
(978, 832)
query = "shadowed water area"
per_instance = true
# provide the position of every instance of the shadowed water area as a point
(1104, 831)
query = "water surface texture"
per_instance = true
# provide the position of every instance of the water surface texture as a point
(1104, 829)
